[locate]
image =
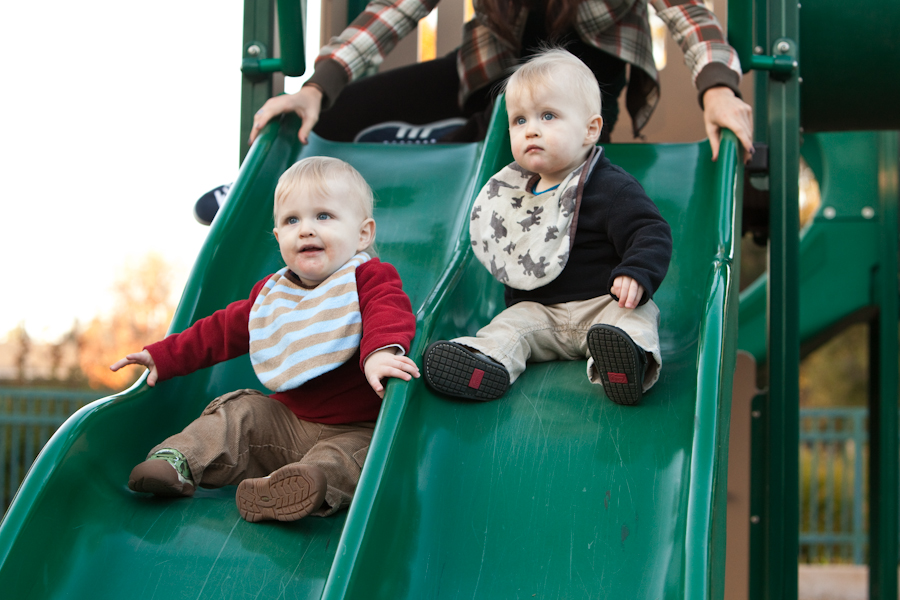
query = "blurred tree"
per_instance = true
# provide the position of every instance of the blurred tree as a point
(141, 314)
(837, 373)
(22, 342)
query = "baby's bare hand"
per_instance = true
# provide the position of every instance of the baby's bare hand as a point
(385, 363)
(139, 358)
(628, 291)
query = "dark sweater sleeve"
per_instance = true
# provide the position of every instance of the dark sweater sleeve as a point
(387, 315)
(221, 336)
(717, 75)
(641, 237)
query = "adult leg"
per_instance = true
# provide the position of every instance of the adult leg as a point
(418, 94)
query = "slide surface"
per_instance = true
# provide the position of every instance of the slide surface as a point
(551, 492)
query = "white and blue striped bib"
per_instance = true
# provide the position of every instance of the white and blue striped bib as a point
(297, 334)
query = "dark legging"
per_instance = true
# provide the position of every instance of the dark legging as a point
(427, 92)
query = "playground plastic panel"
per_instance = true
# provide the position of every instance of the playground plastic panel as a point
(552, 491)
(839, 248)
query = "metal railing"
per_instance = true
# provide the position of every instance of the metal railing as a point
(28, 417)
(833, 485)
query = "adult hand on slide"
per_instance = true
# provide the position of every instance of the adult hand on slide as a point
(307, 103)
(723, 110)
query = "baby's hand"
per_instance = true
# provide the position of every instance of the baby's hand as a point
(386, 363)
(139, 358)
(628, 291)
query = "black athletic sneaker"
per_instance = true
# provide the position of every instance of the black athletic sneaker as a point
(398, 132)
(455, 370)
(207, 206)
(620, 362)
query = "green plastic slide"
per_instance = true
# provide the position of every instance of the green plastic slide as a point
(551, 492)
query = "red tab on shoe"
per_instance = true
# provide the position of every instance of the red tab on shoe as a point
(617, 377)
(475, 380)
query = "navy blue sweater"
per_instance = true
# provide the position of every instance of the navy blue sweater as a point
(619, 232)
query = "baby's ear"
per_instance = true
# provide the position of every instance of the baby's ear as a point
(594, 126)
(366, 234)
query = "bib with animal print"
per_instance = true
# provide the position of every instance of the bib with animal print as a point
(521, 237)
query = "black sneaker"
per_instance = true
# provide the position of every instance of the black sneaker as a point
(620, 362)
(455, 370)
(398, 132)
(207, 206)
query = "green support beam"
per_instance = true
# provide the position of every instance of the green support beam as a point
(883, 386)
(258, 43)
(780, 521)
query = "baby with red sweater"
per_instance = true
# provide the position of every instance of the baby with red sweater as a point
(323, 334)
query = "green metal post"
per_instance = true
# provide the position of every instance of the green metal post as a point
(758, 479)
(781, 520)
(291, 37)
(883, 444)
(259, 42)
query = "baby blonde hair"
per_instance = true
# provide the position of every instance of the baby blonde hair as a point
(553, 66)
(315, 173)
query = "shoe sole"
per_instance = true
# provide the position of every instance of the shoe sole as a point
(615, 358)
(159, 478)
(453, 370)
(289, 494)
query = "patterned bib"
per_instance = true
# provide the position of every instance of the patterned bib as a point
(523, 238)
(296, 334)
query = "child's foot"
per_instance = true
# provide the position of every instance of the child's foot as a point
(164, 473)
(290, 493)
(455, 370)
(620, 362)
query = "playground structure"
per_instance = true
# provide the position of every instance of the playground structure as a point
(552, 491)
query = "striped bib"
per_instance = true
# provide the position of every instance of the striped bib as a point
(297, 334)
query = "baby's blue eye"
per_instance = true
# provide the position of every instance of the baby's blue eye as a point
(323, 216)
(519, 120)
(292, 220)
(547, 116)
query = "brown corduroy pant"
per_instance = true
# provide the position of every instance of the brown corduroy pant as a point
(246, 434)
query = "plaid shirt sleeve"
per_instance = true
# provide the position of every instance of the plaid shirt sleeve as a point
(696, 29)
(623, 30)
(362, 46)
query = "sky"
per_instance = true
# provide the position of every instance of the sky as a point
(117, 116)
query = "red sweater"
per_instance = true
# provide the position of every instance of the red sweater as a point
(339, 396)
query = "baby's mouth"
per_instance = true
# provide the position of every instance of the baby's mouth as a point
(309, 249)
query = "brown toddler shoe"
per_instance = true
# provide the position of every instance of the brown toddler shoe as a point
(164, 473)
(290, 493)
(620, 362)
(453, 369)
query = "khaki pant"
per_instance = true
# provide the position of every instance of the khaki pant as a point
(245, 434)
(528, 331)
